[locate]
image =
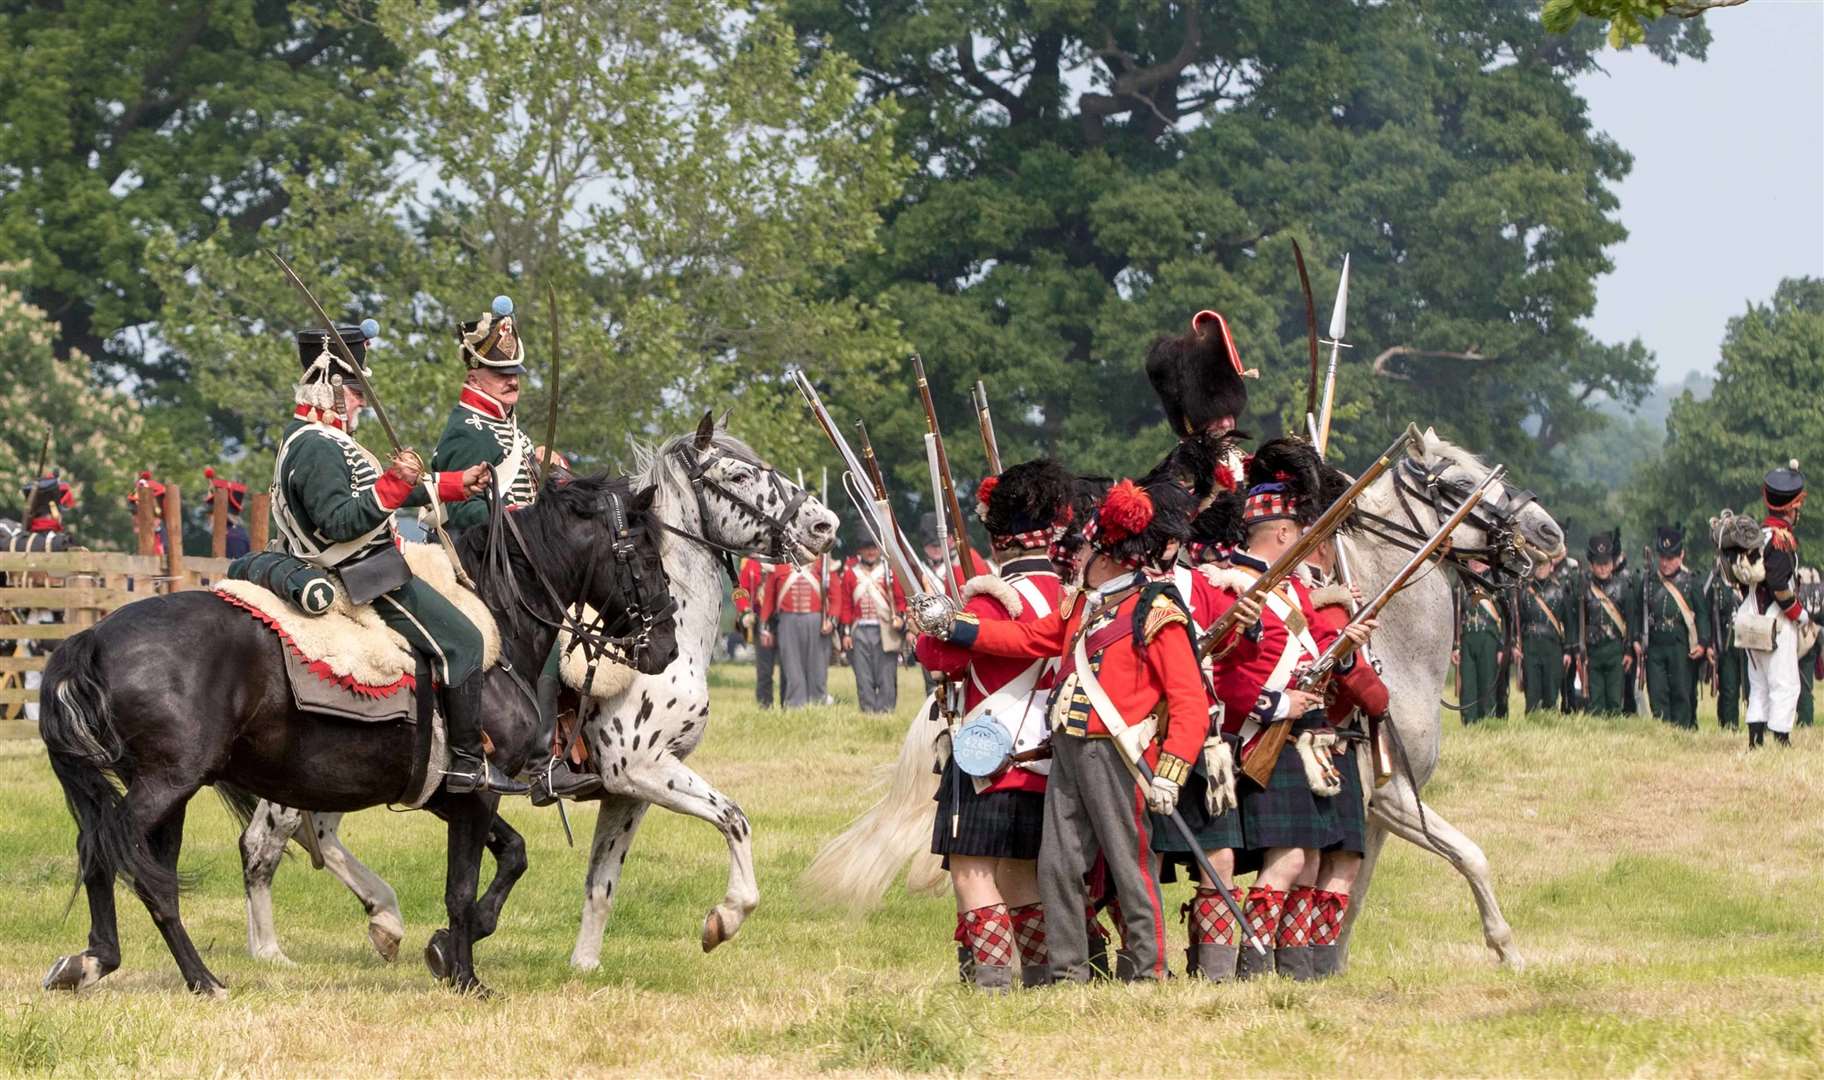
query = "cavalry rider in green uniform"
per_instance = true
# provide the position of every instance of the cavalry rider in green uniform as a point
(1727, 661)
(1481, 639)
(482, 429)
(1609, 624)
(1548, 620)
(1676, 617)
(333, 507)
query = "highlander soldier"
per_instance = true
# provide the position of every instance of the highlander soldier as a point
(1548, 619)
(1607, 624)
(1674, 616)
(1125, 641)
(333, 505)
(871, 608)
(988, 830)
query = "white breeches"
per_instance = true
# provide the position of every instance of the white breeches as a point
(1773, 679)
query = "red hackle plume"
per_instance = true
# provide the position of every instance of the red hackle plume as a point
(1125, 512)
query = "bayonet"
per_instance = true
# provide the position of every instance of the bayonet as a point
(934, 459)
(1339, 320)
(947, 503)
(341, 347)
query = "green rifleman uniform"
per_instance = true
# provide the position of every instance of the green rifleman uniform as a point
(1675, 614)
(1548, 630)
(1482, 634)
(1731, 673)
(1608, 624)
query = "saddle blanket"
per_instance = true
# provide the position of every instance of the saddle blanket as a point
(350, 648)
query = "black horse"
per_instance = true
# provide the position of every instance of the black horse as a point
(175, 692)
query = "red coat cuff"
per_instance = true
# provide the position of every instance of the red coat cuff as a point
(391, 490)
(449, 487)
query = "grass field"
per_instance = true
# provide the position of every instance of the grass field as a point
(1663, 888)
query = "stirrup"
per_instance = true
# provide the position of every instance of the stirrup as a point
(557, 780)
(481, 776)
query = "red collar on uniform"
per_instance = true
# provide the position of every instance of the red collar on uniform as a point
(303, 412)
(483, 403)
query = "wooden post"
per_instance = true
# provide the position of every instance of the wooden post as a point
(145, 522)
(174, 539)
(218, 526)
(259, 520)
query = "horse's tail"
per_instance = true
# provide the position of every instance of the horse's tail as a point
(857, 866)
(239, 802)
(93, 763)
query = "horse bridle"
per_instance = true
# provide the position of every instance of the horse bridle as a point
(1503, 551)
(595, 636)
(777, 526)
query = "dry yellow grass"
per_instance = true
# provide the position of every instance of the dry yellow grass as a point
(1662, 887)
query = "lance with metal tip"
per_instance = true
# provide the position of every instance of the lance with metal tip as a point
(335, 342)
(1339, 320)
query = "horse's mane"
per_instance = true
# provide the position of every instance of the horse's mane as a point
(1443, 447)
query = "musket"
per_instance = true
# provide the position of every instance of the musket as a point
(44, 457)
(1647, 570)
(1716, 628)
(947, 503)
(1304, 283)
(934, 458)
(341, 347)
(876, 511)
(1299, 550)
(544, 468)
(1583, 634)
(1339, 319)
(1259, 764)
(983, 420)
(877, 488)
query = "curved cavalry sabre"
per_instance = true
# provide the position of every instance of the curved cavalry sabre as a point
(139, 699)
(1416, 497)
(713, 499)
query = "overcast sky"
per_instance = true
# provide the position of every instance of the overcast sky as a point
(1727, 193)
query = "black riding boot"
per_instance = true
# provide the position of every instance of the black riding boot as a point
(555, 779)
(1756, 733)
(470, 770)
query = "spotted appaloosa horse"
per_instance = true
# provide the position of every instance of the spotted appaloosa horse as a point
(1413, 646)
(715, 499)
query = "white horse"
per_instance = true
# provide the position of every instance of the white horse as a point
(717, 500)
(1413, 646)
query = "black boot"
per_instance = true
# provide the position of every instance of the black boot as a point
(556, 779)
(1784, 738)
(470, 770)
(1756, 733)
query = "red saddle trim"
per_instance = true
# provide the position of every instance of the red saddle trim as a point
(317, 667)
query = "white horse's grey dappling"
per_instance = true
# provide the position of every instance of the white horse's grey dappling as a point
(638, 738)
(1413, 646)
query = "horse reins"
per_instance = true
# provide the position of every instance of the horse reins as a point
(696, 461)
(1503, 552)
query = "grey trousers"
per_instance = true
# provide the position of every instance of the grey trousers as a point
(804, 659)
(766, 658)
(876, 671)
(1093, 806)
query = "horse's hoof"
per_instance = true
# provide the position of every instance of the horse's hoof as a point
(585, 963)
(385, 942)
(213, 991)
(475, 988)
(73, 973)
(712, 930)
(435, 956)
(274, 957)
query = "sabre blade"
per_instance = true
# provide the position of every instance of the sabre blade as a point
(1304, 284)
(341, 347)
(544, 469)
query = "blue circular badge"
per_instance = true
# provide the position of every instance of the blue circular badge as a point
(981, 746)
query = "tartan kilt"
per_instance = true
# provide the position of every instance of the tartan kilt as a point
(1287, 813)
(1346, 810)
(991, 825)
(1213, 833)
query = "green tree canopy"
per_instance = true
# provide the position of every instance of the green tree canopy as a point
(1757, 417)
(1096, 173)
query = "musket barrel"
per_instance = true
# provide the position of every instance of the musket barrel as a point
(947, 501)
(1295, 554)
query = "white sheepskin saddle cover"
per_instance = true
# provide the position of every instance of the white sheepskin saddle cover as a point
(350, 645)
(611, 679)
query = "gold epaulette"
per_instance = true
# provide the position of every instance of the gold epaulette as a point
(1782, 538)
(1162, 614)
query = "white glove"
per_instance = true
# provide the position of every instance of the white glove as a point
(1162, 796)
(747, 620)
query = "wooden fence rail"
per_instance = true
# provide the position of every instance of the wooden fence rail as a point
(78, 588)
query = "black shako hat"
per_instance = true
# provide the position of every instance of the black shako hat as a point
(1669, 540)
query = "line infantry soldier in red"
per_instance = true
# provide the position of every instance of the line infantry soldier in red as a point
(796, 618)
(1127, 662)
(870, 608)
(988, 829)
